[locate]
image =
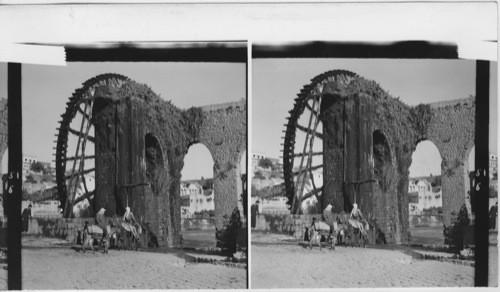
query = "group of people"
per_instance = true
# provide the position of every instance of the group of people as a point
(355, 219)
(129, 224)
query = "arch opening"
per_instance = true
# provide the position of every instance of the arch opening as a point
(5, 162)
(242, 185)
(154, 162)
(425, 195)
(5, 169)
(198, 198)
(468, 180)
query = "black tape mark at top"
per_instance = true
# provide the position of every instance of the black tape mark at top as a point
(396, 50)
(211, 52)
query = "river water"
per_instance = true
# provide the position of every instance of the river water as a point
(202, 236)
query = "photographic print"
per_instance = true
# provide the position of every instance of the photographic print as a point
(363, 169)
(134, 168)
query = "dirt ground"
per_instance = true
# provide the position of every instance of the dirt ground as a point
(49, 266)
(277, 262)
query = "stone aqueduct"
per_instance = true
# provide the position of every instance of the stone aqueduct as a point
(155, 137)
(380, 134)
(159, 136)
(140, 144)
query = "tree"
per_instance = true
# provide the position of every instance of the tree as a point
(30, 179)
(493, 192)
(227, 237)
(37, 167)
(454, 234)
(47, 178)
(265, 163)
(259, 175)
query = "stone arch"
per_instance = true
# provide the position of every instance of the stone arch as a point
(4, 161)
(425, 192)
(367, 107)
(189, 161)
(3, 128)
(223, 131)
(197, 143)
(452, 129)
(242, 180)
(468, 170)
(141, 140)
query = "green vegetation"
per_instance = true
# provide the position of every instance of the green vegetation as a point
(227, 237)
(258, 175)
(454, 234)
(493, 193)
(37, 167)
(265, 163)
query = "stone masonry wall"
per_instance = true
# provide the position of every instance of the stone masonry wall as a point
(63, 228)
(452, 130)
(450, 125)
(3, 127)
(223, 132)
(294, 225)
(141, 114)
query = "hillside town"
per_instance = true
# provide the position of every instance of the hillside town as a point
(38, 185)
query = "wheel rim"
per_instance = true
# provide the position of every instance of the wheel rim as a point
(75, 158)
(304, 129)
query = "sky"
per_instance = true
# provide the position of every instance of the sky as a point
(46, 89)
(276, 82)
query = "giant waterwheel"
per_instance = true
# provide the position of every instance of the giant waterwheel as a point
(303, 145)
(75, 157)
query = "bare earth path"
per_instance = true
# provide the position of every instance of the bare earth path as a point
(290, 265)
(64, 268)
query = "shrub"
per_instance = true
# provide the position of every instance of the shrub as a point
(47, 178)
(227, 236)
(37, 167)
(493, 192)
(259, 175)
(265, 163)
(453, 234)
(30, 179)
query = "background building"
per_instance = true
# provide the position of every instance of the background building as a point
(197, 196)
(423, 196)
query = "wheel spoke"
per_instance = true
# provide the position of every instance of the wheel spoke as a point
(314, 112)
(74, 180)
(311, 146)
(300, 189)
(79, 109)
(70, 177)
(311, 193)
(81, 135)
(302, 154)
(80, 173)
(309, 132)
(310, 135)
(82, 161)
(84, 157)
(82, 198)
